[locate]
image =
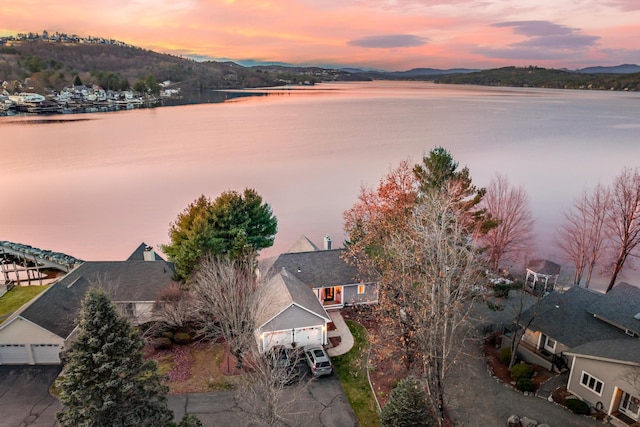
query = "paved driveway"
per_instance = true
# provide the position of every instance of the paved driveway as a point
(321, 403)
(25, 401)
(477, 399)
(24, 396)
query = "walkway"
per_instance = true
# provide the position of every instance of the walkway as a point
(342, 331)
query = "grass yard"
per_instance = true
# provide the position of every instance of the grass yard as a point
(16, 297)
(351, 368)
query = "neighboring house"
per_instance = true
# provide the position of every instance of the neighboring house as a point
(40, 330)
(607, 375)
(334, 281)
(290, 315)
(560, 322)
(595, 335)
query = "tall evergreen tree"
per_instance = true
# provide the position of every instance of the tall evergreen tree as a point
(235, 224)
(439, 173)
(407, 406)
(107, 381)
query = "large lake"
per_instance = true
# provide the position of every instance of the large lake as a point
(96, 185)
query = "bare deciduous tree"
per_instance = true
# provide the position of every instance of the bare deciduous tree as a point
(438, 271)
(269, 390)
(508, 206)
(582, 236)
(623, 219)
(225, 295)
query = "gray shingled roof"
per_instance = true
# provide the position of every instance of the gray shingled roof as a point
(544, 266)
(318, 269)
(618, 307)
(285, 289)
(57, 308)
(564, 317)
(621, 350)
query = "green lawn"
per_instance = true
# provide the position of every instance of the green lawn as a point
(351, 368)
(16, 297)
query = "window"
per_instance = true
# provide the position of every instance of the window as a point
(592, 383)
(550, 344)
(360, 289)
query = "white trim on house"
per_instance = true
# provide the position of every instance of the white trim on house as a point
(288, 307)
(590, 378)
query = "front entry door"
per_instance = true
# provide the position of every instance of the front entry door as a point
(630, 405)
(329, 294)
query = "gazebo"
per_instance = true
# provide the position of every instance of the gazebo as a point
(542, 275)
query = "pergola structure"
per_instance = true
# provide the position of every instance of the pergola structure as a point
(23, 263)
(542, 275)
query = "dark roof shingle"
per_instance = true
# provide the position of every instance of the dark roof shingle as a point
(318, 268)
(564, 317)
(57, 308)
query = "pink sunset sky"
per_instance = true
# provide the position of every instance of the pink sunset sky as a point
(383, 34)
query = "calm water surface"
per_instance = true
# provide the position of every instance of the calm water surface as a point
(96, 185)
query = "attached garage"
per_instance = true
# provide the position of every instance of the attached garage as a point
(309, 336)
(45, 353)
(14, 354)
(291, 315)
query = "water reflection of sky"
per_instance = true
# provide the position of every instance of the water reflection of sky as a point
(96, 185)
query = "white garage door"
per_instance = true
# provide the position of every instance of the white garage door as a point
(46, 353)
(272, 339)
(13, 354)
(308, 336)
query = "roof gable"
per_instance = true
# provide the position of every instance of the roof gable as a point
(139, 253)
(284, 290)
(303, 244)
(564, 317)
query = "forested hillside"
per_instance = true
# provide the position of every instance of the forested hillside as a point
(547, 78)
(53, 65)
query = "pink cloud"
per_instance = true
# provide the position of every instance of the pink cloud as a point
(381, 33)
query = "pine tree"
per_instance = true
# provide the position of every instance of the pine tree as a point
(107, 381)
(407, 406)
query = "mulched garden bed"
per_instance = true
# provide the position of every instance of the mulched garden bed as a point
(501, 371)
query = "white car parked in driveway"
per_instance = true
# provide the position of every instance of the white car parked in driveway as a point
(318, 361)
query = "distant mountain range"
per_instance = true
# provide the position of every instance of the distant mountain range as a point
(618, 69)
(46, 62)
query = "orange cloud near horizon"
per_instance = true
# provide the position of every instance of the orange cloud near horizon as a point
(409, 34)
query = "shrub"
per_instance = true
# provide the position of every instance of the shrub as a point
(182, 338)
(505, 355)
(521, 370)
(161, 343)
(501, 290)
(524, 384)
(578, 406)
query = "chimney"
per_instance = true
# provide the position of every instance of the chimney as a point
(149, 254)
(327, 243)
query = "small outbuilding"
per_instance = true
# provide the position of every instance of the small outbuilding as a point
(542, 275)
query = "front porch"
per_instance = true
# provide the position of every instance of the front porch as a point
(331, 298)
(539, 356)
